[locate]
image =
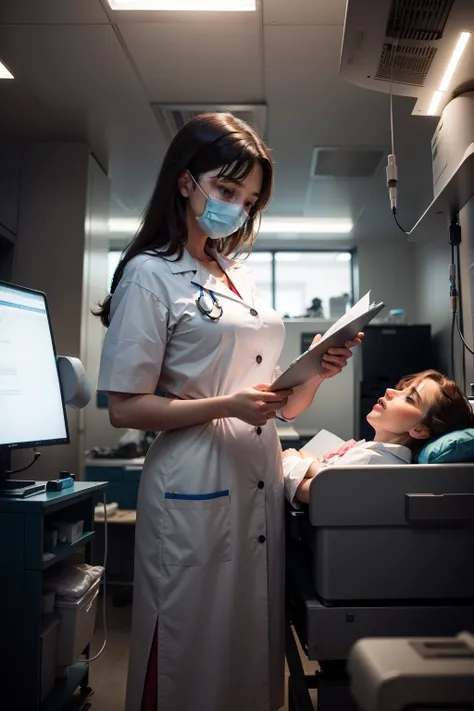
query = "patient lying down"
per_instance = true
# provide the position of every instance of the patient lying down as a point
(421, 407)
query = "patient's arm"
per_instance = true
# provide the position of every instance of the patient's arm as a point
(301, 453)
(360, 457)
(302, 492)
(306, 454)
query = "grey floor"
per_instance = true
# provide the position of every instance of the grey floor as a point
(108, 674)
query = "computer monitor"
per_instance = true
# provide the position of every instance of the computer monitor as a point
(32, 410)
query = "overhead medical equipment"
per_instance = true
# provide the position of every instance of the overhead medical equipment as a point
(208, 304)
(423, 49)
(418, 46)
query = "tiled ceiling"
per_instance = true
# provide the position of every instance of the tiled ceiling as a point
(85, 72)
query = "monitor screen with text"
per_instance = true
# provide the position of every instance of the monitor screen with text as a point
(31, 404)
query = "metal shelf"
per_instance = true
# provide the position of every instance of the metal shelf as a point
(64, 549)
(458, 190)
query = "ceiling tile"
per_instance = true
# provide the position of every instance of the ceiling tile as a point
(188, 63)
(22, 116)
(304, 12)
(83, 81)
(95, 95)
(45, 12)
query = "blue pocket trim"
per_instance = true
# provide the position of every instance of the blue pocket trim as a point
(196, 497)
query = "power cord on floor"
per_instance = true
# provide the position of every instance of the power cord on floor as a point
(104, 586)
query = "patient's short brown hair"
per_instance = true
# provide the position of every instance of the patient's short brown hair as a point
(451, 410)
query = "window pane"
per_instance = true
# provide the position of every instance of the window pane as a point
(260, 264)
(301, 277)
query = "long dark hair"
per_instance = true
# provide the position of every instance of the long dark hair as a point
(207, 142)
(451, 410)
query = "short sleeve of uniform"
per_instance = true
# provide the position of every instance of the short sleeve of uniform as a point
(294, 471)
(278, 414)
(135, 343)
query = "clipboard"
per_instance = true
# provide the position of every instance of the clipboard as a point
(308, 364)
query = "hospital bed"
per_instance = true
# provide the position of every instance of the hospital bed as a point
(379, 552)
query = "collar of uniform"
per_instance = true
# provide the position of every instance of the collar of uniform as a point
(238, 276)
(183, 265)
(398, 450)
(187, 264)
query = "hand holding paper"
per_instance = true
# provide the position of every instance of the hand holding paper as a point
(308, 365)
(335, 359)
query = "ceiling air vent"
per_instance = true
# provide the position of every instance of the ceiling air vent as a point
(422, 20)
(172, 117)
(405, 63)
(412, 28)
(346, 162)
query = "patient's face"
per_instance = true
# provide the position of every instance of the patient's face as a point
(401, 412)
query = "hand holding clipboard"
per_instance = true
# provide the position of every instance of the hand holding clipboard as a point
(307, 365)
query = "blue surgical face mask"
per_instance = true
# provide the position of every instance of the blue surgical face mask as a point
(220, 219)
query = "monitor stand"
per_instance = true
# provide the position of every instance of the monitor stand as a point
(16, 488)
(20, 488)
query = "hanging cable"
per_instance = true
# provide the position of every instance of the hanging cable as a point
(36, 456)
(453, 360)
(460, 315)
(392, 168)
(394, 213)
(104, 586)
(466, 346)
(455, 295)
(392, 132)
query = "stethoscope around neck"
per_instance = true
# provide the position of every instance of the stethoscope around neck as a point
(208, 304)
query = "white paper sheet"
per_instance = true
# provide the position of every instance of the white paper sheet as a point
(323, 443)
(308, 364)
(362, 306)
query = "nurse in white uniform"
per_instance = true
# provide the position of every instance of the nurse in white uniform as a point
(208, 615)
